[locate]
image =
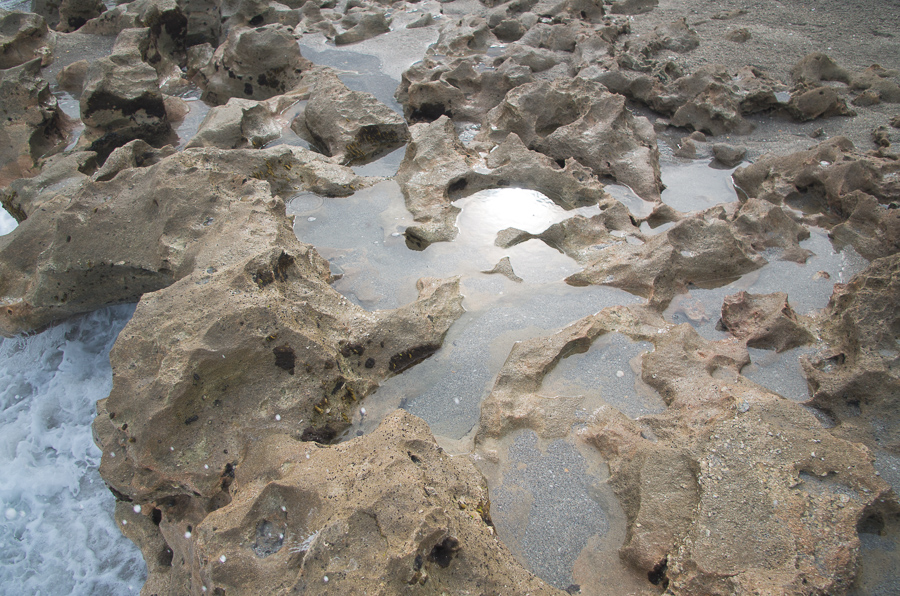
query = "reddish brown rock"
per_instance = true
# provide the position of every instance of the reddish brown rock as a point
(764, 321)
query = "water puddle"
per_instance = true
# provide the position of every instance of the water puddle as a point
(608, 373)
(548, 505)
(695, 186)
(361, 236)
(809, 286)
(779, 373)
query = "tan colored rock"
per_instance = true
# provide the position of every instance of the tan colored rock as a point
(504, 268)
(32, 126)
(817, 67)
(835, 185)
(110, 242)
(580, 119)
(402, 517)
(731, 488)
(437, 169)
(121, 100)
(702, 250)
(229, 355)
(60, 174)
(855, 380)
(24, 37)
(134, 154)
(254, 64)
(818, 102)
(351, 126)
(240, 123)
(435, 160)
(764, 321)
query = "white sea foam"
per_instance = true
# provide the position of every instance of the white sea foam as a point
(57, 534)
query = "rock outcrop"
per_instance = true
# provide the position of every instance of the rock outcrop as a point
(24, 37)
(712, 487)
(351, 126)
(32, 126)
(112, 241)
(254, 64)
(577, 118)
(300, 506)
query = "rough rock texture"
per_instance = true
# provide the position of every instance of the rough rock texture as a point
(298, 365)
(58, 264)
(351, 126)
(32, 123)
(24, 37)
(437, 169)
(837, 188)
(121, 100)
(239, 123)
(363, 26)
(60, 174)
(764, 321)
(300, 506)
(254, 64)
(135, 154)
(577, 118)
(75, 13)
(713, 488)
(856, 380)
(702, 249)
(434, 159)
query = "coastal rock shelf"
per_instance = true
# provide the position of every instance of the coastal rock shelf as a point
(482, 297)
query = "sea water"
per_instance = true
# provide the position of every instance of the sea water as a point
(57, 532)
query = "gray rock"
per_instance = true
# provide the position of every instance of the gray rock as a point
(238, 124)
(33, 125)
(254, 64)
(580, 119)
(351, 126)
(728, 155)
(24, 37)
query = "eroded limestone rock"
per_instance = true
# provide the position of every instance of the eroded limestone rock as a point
(713, 487)
(121, 100)
(274, 347)
(155, 225)
(437, 169)
(578, 118)
(856, 379)
(239, 123)
(23, 37)
(300, 506)
(75, 13)
(351, 126)
(254, 64)
(696, 250)
(764, 321)
(837, 188)
(32, 124)
(60, 174)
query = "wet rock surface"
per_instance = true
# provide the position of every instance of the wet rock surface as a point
(247, 365)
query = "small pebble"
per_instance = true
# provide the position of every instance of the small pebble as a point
(222, 558)
(137, 508)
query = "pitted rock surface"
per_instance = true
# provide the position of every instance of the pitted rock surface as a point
(302, 506)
